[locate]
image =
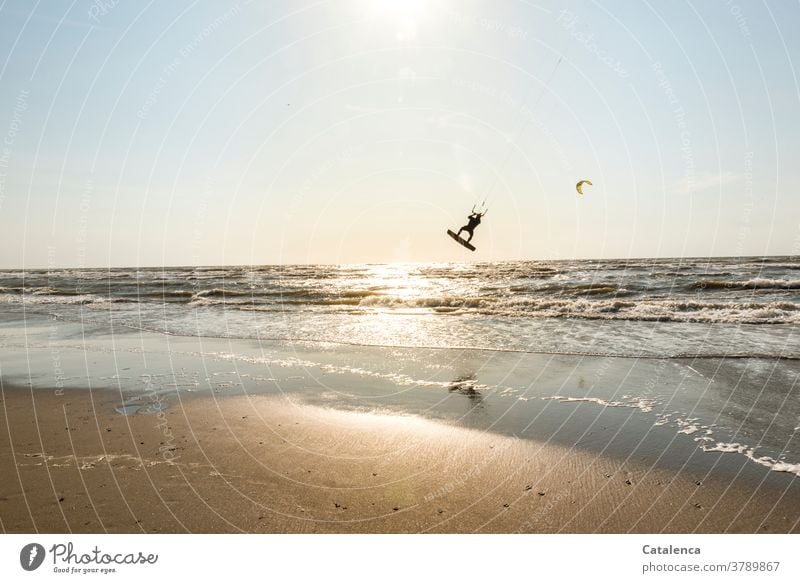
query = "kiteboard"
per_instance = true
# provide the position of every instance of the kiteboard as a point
(466, 244)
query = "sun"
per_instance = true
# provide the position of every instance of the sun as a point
(398, 9)
(404, 15)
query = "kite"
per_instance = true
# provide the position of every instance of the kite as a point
(579, 186)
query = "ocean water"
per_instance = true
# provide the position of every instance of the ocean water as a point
(666, 307)
(694, 356)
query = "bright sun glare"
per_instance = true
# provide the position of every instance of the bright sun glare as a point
(405, 15)
(399, 9)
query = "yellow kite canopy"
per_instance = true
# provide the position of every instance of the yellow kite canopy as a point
(579, 186)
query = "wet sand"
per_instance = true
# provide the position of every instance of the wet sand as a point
(259, 463)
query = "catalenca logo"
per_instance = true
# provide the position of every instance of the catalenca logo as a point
(31, 556)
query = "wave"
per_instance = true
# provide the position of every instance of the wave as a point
(750, 284)
(689, 426)
(661, 311)
(48, 295)
(644, 404)
(644, 354)
(672, 274)
(613, 309)
(509, 306)
(771, 313)
(589, 289)
(50, 291)
(75, 299)
(750, 452)
(577, 289)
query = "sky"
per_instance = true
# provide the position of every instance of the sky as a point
(358, 131)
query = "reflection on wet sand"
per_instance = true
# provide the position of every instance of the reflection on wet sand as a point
(465, 385)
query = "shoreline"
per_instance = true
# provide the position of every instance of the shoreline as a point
(266, 463)
(287, 265)
(343, 343)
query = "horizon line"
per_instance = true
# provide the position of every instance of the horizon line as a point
(310, 264)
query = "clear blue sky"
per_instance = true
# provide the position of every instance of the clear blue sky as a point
(359, 130)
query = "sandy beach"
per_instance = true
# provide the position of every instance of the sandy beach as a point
(71, 463)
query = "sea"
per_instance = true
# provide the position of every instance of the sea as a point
(738, 307)
(707, 349)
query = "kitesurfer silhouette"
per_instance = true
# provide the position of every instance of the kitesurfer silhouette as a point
(473, 221)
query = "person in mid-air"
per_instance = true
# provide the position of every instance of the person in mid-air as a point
(472, 222)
